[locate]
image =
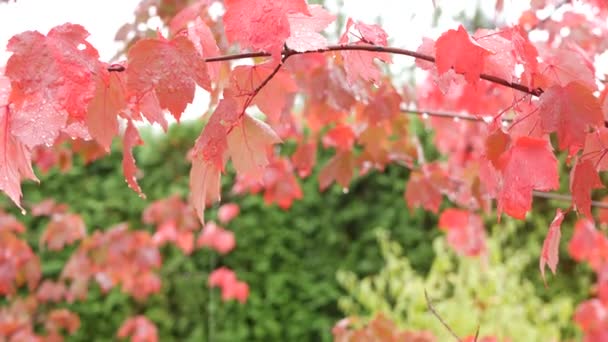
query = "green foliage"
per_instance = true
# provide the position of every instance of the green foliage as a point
(490, 292)
(289, 258)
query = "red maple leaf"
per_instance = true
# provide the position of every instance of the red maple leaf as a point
(273, 98)
(570, 110)
(52, 80)
(420, 192)
(227, 212)
(261, 24)
(596, 148)
(528, 165)
(305, 29)
(339, 168)
(247, 144)
(108, 100)
(360, 64)
(550, 252)
(583, 179)
(169, 68)
(455, 49)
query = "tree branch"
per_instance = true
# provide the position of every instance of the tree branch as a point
(372, 48)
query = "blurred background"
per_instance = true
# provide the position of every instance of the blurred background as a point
(332, 254)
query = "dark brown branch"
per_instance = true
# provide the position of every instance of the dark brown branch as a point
(434, 312)
(373, 48)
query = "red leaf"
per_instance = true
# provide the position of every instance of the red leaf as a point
(216, 237)
(64, 229)
(139, 328)
(204, 185)
(339, 168)
(360, 64)
(247, 145)
(528, 165)
(583, 179)
(212, 144)
(497, 143)
(455, 49)
(60, 319)
(227, 212)
(550, 252)
(342, 137)
(51, 79)
(305, 29)
(422, 192)
(15, 158)
(304, 158)
(169, 68)
(108, 100)
(260, 24)
(596, 148)
(465, 230)
(131, 139)
(272, 99)
(201, 36)
(587, 244)
(570, 111)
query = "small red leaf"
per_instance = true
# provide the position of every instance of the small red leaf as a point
(227, 212)
(305, 29)
(422, 192)
(465, 230)
(169, 68)
(570, 111)
(247, 145)
(102, 112)
(260, 24)
(583, 179)
(455, 49)
(550, 252)
(529, 165)
(204, 185)
(339, 168)
(131, 139)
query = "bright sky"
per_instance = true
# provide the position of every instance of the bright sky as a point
(406, 22)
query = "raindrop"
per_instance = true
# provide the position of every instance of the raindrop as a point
(425, 116)
(23, 211)
(344, 190)
(81, 47)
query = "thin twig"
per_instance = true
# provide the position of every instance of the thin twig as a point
(434, 312)
(566, 198)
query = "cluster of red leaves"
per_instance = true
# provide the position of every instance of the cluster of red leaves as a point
(116, 257)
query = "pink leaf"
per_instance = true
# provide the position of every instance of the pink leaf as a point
(305, 29)
(550, 252)
(260, 24)
(169, 68)
(227, 212)
(204, 185)
(247, 145)
(129, 168)
(455, 49)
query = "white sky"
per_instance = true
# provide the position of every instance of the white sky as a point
(405, 21)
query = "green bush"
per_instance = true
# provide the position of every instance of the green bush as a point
(488, 292)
